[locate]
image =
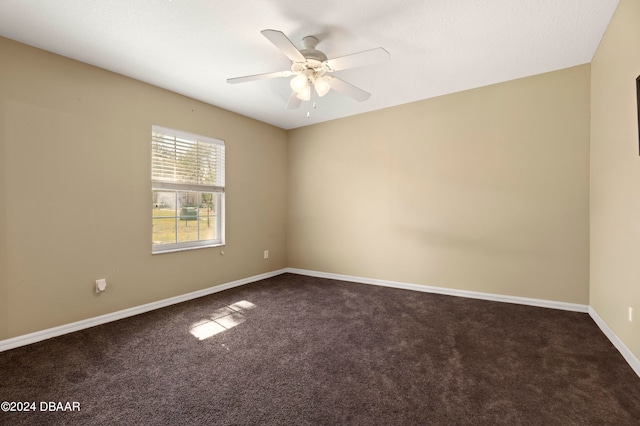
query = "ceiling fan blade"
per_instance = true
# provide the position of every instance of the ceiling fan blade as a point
(294, 101)
(347, 89)
(361, 59)
(244, 79)
(285, 45)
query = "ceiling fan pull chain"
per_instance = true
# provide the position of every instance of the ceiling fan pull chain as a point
(313, 102)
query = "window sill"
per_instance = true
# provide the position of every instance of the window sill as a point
(176, 249)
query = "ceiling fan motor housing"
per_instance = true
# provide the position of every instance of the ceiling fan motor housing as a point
(312, 67)
(314, 58)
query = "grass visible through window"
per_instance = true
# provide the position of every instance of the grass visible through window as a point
(189, 227)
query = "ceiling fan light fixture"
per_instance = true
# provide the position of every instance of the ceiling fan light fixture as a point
(299, 83)
(305, 93)
(321, 86)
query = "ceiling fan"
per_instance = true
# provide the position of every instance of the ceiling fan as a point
(311, 68)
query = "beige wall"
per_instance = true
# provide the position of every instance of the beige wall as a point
(75, 194)
(615, 176)
(484, 190)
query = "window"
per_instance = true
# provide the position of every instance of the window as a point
(187, 178)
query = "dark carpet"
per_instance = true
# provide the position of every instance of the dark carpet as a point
(297, 350)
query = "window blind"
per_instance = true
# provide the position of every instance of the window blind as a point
(183, 160)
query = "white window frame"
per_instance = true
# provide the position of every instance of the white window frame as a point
(167, 183)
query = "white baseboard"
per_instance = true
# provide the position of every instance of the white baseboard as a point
(102, 319)
(620, 346)
(447, 291)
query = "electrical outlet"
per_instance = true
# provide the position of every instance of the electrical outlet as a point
(266, 254)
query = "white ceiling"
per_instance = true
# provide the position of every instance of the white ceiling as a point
(192, 46)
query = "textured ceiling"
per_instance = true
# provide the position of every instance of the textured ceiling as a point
(193, 46)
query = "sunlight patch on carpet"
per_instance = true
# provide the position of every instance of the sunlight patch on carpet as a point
(221, 319)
